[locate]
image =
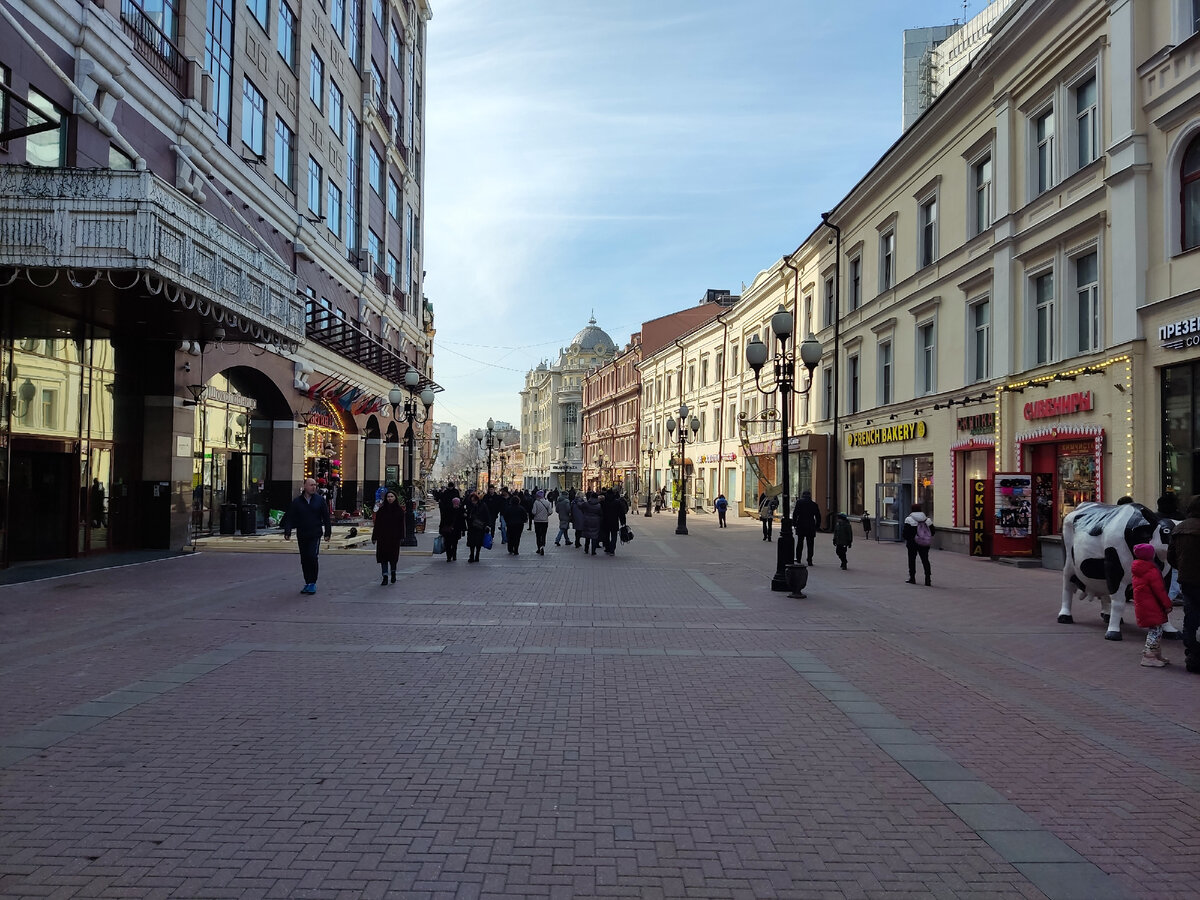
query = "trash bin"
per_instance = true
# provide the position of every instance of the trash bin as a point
(248, 519)
(229, 513)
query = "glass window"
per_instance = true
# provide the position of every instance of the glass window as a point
(258, 9)
(827, 393)
(885, 372)
(333, 212)
(1181, 429)
(337, 17)
(354, 33)
(1043, 129)
(285, 38)
(353, 179)
(375, 171)
(926, 360)
(46, 148)
(316, 80)
(1189, 179)
(336, 114)
(393, 268)
(981, 177)
(852, 384)
(377, 12)
(314, 186)
(856, 486)
(254, 118)
(856, 282)
(376, 86)
(1087, 302)
(218, 61)
(927, 218)
(373, 247)
(395, 47)
(981, 344)
(923, 487)
(117, 159)
(887, 260)
(1044, 314)
(285, 153)
(1087, 123)
(409, 246)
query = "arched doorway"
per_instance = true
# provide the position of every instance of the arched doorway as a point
(391, 456)
(372, 460)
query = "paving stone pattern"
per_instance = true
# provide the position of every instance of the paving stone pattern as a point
(658, 724)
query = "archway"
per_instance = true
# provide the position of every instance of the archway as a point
(372, 460)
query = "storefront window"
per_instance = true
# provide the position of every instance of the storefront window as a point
(1076, 475)
(892, 466)
(1181, 449)
(923, 483)
(856, 485)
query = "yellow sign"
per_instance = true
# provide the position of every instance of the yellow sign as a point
(905, 431)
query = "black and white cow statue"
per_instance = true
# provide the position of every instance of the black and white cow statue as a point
(1099, 539)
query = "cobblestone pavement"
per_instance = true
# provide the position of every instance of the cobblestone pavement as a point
(654, 724)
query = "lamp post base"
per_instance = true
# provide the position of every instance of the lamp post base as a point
(786, 554)
(681, 527)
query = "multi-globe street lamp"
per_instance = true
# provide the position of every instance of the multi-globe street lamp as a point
(649, 466)
(412, 378)
(491, 443)
(785, 383)
(684, 424)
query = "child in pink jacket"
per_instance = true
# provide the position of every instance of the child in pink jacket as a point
(1150, 603)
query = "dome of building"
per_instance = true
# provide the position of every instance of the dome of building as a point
(595, 338)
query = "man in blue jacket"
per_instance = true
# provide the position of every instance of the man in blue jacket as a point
(308, 516)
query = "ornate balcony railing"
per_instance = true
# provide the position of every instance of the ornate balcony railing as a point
(350, 340)
(155, 47)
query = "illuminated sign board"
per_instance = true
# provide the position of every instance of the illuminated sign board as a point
(1066, 405)
(905, 431)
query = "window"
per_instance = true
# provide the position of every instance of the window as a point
(1043, 298)
(734, 360)
(375, 171)
(377, 12)
(258, 9)
(117, 160)
(704, 372)
(316, 80)
(46, 148)
(827, 393)
(1189, 195)
(336, 115)
(926, 359)
(1043, 136)
(1087, 302)
(981, 182)
(337, 16)
(720, 365)
(1087, 122)
(314, 186)
(254, 118)
(333, 212)
(373, 248)
(394, 113)
(354, 33)
(852, 384)
(409, 246)
(376, 86)
(393, 268)
(395, 47)
(927, 222)
(856, 282)
(285, 37)
(393, 199)
(218, 62)
(285, 154)
(885, 373)
(887, 260)
(980, 346)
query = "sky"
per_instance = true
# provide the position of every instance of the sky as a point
(617, 158)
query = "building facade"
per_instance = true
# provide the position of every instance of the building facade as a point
(611, 418)
(211, 237)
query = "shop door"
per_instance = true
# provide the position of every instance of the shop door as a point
(893, 502)
(43, 504)
(94, 496)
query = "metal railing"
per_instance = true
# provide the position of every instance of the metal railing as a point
(153, 45)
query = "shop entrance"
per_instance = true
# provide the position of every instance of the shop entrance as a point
(43, 507)
(93, 499)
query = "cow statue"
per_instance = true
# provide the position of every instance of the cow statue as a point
(1099, 539)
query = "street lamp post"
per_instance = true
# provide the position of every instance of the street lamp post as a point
(649, 466)
(396, 397)
(503, 460)
(491, 442)
(785, 384)
(684, 424)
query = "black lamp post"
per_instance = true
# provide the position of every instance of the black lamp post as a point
(649, 466)
(785, 384)
(491, 442)
(396, 397)
(684, 424)
(503, 460)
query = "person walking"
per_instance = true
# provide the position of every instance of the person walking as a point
(843, 537)
(1183, 555)
(918, 538)
(514, 517)
(722, 506)
(308, 516)
(386, 534)
(577, 517)
(452, 526)
(541, 521)
(1151, 604)
(593, 522)
(562, 506)
(766, 513)
(479, 522)
(806, 519)
(612, 517)
(866, 524)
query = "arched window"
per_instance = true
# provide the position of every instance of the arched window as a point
(1189, 195)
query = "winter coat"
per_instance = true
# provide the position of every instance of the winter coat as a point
(542, 510)
(387, 532)
(1150, 600)
(612, 512)
(593, 518)
(308, 518)
(495, 505)
(454, 523)
(515, 516)
(843, 535)
(721, 505)
(909, 532)
(806, 517)
(577, 514)
(479, 522)
(767, 507)
(1183, 554)
(563, 508)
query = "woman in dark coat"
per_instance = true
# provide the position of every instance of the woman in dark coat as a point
(454, 523)
(514, 519)
(386, 535)
(593, 519)
(479, 523)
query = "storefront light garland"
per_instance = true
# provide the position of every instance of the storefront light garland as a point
(1086, 431)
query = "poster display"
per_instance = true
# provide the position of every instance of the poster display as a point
(1013, 497)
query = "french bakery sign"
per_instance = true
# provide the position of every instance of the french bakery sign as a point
(1067, 404)
(1177, 335)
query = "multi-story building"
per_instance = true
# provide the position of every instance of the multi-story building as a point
(611, 413)
(211, 236)
(551, 411)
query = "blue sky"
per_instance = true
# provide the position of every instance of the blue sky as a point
(622, 157)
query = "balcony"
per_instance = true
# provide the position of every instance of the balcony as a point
(153, 45)
(357, 345)
(106, 221)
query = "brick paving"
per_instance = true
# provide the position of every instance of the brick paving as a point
(658, 724)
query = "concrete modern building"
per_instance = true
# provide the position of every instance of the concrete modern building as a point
(551, 411)
(210, 237)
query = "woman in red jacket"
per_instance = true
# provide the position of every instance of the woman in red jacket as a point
(1150, 603)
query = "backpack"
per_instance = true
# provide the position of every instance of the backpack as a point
(924, 533)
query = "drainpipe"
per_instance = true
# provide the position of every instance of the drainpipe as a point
(835, 444)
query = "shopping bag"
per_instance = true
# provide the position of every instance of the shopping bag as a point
(626, 534)
(439, 545)
(487, 541)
